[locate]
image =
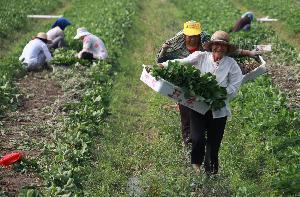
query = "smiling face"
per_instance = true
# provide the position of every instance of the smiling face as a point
(192, 41)
(219, 50)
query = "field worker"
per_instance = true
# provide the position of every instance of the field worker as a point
(185, 42)
(244, 23)
(93, 47)
(36, 54)
(56, 33)
(210, 122)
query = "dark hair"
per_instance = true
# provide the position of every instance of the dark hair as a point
(87, 56)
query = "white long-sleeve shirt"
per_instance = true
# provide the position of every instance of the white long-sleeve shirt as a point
(94, 45)
(33, 50)
(228, 75)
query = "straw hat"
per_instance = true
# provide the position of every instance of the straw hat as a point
(81, 32)
(220, 37)
(43, 35)
(191, 28)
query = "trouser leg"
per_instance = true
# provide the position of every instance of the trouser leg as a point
(39, 64)
(214, 137)
(32, 67)
(198, 128)
(185, 123)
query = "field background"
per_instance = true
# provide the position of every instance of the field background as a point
(97, 130)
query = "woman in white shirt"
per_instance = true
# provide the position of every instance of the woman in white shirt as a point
(229, 75)
(36, 55)
(93, 47)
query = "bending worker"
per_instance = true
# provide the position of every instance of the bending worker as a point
(36, 55)
(93, 47)
(244, 23)
(56, 33)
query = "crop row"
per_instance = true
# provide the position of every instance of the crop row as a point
(74, 141)
(13, 18)
(14, 13)
(287, 11)
(259, 153)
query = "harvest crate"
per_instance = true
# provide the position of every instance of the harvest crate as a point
(176, 93)
(168, 89)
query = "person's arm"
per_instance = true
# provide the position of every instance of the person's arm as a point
(103, 54)
(87, 44)
(235, 79)
(191, 59)
(161, 54)
(243, 52)
(47, 53)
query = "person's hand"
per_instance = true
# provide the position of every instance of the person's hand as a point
(165, 47)
(177, 107)
(148, 69)
(160, 66)
(254, 53)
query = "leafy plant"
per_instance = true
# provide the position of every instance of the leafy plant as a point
(203, 86)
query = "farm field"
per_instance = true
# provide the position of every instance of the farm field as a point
(94, 129)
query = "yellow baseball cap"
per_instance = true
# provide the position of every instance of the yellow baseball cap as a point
(191, 28)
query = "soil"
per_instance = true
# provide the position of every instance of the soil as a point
(28, 127)
(287, 78)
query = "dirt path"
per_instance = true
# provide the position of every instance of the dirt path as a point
(141, 152)
(28, 128)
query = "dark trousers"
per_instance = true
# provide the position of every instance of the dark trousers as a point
(185, 123)
(207, 133)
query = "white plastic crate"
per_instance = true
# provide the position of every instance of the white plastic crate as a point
(168, 89)
(176, 93)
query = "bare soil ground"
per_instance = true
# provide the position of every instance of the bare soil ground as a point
(287, 78)
(27, 128)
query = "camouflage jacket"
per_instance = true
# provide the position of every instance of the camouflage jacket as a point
(177, 49)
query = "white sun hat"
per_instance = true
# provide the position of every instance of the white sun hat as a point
(81, 32)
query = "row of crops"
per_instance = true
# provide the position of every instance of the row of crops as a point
(64, 164)
(71, 153)
(14, 14)
(261, 146)
(287, 11)
(14, 28)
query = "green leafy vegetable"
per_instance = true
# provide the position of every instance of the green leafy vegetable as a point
(203, 86)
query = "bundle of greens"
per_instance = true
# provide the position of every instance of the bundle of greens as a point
(204, 87)
(63, 57)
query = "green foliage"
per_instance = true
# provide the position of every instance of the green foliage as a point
(63, 57)
(287, 11)
(8, 93)
(71, 151)
(14, 13)
(194, 83)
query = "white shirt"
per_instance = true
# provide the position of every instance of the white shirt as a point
(54, 33)
(32, 51)
(228, 75)
(94, 45)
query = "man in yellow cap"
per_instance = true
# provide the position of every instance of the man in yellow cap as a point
(185, 42)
